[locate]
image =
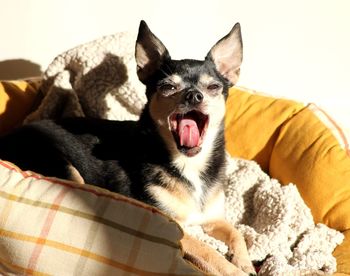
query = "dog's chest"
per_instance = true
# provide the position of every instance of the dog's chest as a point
(188, 199)
(197, 184)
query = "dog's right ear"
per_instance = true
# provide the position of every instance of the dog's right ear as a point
(150, 53)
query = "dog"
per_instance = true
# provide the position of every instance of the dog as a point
(173, 157)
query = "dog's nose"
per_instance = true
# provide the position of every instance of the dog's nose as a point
(193, 97)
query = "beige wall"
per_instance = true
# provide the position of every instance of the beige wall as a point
(297, 49)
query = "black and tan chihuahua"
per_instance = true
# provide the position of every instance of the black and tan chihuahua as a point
(172, 158)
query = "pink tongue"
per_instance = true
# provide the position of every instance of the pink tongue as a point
(188, 133)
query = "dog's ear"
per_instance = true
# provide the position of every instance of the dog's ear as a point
(150, 52)
(227, 54)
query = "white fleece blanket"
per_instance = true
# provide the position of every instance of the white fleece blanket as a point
(277, 225)
(99, 79)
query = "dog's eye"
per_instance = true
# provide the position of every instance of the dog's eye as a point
(213, 86)
(167, 88)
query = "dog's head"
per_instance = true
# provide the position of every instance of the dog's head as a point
(186, 98)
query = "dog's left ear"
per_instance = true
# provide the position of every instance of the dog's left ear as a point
(227, 54)
(150, 52)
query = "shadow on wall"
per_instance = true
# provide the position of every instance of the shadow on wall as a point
(13, 69)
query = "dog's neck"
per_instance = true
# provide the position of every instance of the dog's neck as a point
(207, 167)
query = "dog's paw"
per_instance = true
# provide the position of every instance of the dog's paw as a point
(245, 265)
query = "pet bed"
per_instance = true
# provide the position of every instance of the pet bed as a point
(50, 225)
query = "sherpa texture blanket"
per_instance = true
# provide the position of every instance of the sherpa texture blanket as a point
(276, 223)
(98, 79)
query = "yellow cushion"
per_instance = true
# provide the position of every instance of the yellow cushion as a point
(250, 135)
(342, 254)
(17, 100)
(293, 145)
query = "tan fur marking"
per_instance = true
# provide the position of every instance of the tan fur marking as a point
(205, 79)
(206, 258)
(175, 199)
(176, 79)
(160, 109)
(180, 203)
(75, 175)
(225, 232)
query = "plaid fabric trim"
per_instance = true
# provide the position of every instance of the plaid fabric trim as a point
(56, 227)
